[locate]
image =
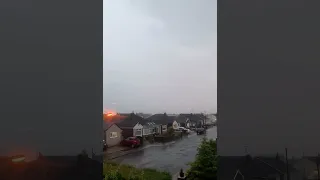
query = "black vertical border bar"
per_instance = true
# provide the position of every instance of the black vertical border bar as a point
(51, 75)
(268, 95)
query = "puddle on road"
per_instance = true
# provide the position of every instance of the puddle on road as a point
(158, 144)
(143, 164)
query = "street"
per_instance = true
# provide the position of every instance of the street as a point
(169, 157)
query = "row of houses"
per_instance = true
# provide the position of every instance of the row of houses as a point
(121, 126)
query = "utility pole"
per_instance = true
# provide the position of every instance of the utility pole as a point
(92, 154)
(246, 150)
(288, 174)
(318, 162)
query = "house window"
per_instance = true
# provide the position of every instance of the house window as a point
(138, 132)
(175, 125)
(164, 128)
(113, 135)
(146, 131)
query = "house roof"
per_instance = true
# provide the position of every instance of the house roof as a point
(149, 124)
(110, 125)
(110, 120)
(107, 125)
(251, 167)
(305, 165)
(313, 158)
(228, 166)
(143, 115)
(192, 117)
(161, 118)
(264, 166)
(124, 114)
(131, 120)
(257, 168)
(182, 118)
(201, 115)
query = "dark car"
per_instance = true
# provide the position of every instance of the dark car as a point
(201, 130)
(131, 141)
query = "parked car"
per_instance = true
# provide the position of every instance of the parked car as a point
(131, 141)
(201, 130)
(185, 130)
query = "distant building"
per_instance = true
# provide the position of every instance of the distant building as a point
(143, 115)
(190, 120)
(109, 120)
(163, 121)
(131, 126)
(136, 126)
(307, 167)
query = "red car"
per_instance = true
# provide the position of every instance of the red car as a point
(131, 141)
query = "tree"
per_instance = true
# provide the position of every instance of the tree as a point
(170, 131)
(205, 165)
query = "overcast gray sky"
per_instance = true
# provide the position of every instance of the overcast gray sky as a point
(160, 55)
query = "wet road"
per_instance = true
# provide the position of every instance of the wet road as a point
(170, 157)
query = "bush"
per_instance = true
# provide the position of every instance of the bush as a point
(205, 165)
(170, 131)
(126, 172)
(114, 175)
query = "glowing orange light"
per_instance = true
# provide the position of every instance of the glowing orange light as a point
(18, 159)
(109, 115)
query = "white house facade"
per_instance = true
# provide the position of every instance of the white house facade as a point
(190, 124)
(113, 135)
(138, 130)
(149, 129)
(158, 129)
(175, 125)
(164, 129)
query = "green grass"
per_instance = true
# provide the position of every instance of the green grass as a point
(128, 172)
